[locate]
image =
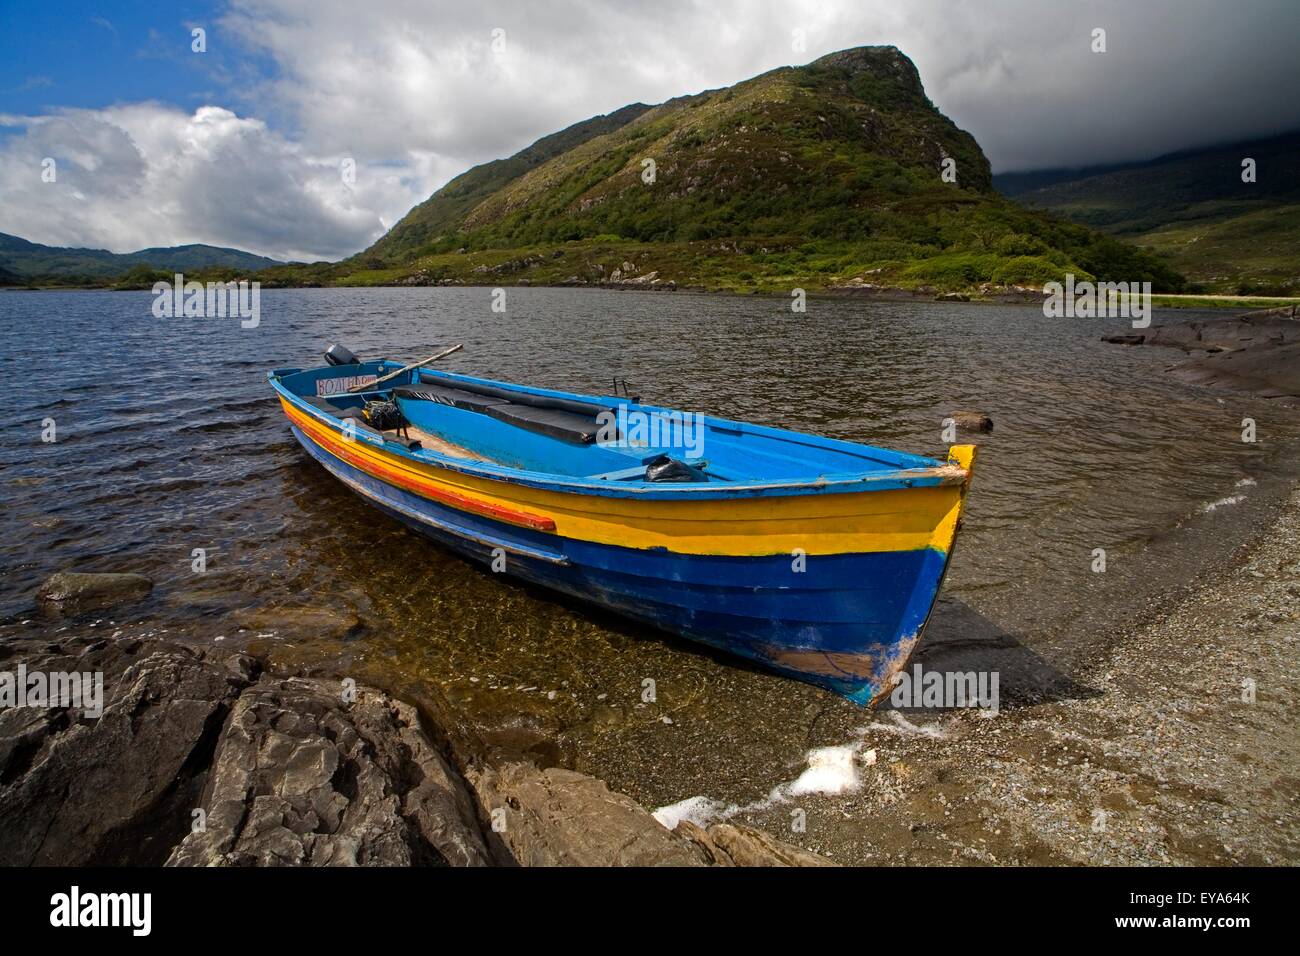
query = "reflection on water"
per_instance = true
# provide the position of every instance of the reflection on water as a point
(169, 440)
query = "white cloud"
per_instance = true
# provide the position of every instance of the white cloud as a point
(415, 92)
(146, 174)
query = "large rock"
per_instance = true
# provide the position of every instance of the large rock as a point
(301, 778)
(283, 771)
(1257, 353)
(557, 817)
(201, 758)
(728, 844)
(74, 591)
(78, 791)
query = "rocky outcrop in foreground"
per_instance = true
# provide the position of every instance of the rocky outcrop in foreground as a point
(202, 758)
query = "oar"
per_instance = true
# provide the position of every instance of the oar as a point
(370, 386)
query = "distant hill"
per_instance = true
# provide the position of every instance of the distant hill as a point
(813, 176)
(23, 261)
(1193, 207)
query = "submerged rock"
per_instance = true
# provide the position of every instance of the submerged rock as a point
(1124, 339)
(73, 591)
(322, 622)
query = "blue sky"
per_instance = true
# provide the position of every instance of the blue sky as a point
(243, 145)
(77, 54)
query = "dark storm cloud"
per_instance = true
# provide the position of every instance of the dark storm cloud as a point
(1020, 74)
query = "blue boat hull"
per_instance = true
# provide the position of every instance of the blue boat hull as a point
(847, 623)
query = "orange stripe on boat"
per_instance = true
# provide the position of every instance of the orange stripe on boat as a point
(900, 519)
(522, 519)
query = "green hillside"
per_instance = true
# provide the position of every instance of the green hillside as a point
(814, 176)
(447, 208)
(30, 262)
(1192, 207)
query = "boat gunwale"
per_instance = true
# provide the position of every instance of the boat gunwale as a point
(934, 474)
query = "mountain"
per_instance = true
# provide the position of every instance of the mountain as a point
(446, 208)
(25, 261)
(1193, 207)
(813, 176)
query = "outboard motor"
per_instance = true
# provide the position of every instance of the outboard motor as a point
(338, 355)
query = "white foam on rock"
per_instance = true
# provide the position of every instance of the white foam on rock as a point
(699, 810)
(830, 771)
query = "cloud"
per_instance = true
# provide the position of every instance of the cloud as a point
(146, 174)
(422, 78)
(417, 91)
(37, 82)
(106, 24)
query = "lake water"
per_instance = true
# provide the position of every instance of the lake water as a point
(169, 440)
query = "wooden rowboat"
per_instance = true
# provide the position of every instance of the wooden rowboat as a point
(816, 557)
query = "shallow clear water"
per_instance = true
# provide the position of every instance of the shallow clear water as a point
(169, 440)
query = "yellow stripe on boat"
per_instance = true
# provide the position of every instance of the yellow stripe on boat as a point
(831, 523)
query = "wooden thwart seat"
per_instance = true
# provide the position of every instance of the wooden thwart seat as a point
(440, 445)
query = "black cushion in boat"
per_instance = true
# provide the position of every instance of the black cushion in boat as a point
(566, 419)
(517, 397)
(325, 405)
(331, 408)
(566, 426)
(457, 398)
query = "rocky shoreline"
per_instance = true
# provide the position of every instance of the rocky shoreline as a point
(1258, 352)
(1179, 748)
(205, 757)
(215, 755)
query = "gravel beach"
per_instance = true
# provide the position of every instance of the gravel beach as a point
(1185, 752)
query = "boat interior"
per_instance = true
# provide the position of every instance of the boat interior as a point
(609, 438)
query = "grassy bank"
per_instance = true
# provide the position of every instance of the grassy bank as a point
(738, 267)
(1221, 301)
